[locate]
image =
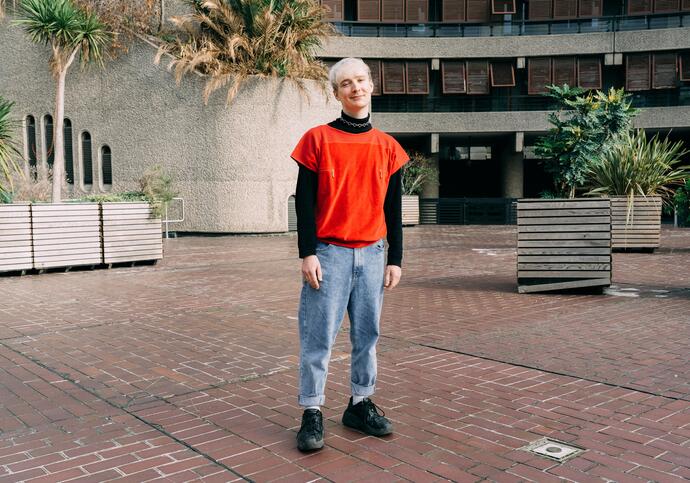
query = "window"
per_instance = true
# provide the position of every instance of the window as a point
(502, 74)
(685, 66)
(636, 7)
(453, 10)
(86, 158)
(564, 71)
(392, 10)
(477, 10)
(417, 11)
(589, 72)
(539, 9)
(69, 152)
(334, 9)
(477, 77)
(368, 10)
(565, 9)
(31, 141)
(664, 70)
(417, 77)
(48, 139)
(106, 165)
(590, 8)
(666, 6)
(502, 6)
(637, 72)
(453, 77)
(538, 75)
(375, 68)
(393, 77)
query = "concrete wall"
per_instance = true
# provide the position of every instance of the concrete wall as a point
(231, 164)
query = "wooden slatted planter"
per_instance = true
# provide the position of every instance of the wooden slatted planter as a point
(15, 237)
(410, 210)
(130, 233)
(563, 244)
(638, 228)
(66, 234)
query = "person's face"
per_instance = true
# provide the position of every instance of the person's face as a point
(354, 88)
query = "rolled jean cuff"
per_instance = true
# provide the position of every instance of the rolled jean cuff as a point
(306, 401)
(365, 391)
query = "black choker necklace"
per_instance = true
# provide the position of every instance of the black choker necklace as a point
(356, 124)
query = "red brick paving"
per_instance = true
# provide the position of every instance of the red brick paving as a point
(187, 370)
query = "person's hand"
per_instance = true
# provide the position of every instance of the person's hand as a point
(392, 276)
(311, 271)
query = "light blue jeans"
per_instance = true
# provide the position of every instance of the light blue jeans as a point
(352, 281)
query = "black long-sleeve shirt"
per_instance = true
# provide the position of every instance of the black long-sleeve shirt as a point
(305, 202)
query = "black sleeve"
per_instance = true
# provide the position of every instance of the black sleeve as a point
(305, 205)
(392, 209)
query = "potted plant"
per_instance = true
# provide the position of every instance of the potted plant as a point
(565, 242)
(681, 204)
(418, 171)
(638, 174)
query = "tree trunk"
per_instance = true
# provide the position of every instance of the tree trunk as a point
(58, 131)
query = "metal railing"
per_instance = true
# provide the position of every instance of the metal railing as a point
(515, 26)
(167, 220)
(468, 211)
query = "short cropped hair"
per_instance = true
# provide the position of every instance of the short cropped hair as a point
(333, 72)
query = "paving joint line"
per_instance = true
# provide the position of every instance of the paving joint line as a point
(132, 414)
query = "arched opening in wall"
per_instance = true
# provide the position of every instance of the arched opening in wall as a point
(31, 143)
(292, 214)
(69, 151)
(86, 159)
(106, 167)
(48, 140)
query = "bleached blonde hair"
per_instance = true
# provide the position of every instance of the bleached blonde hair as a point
(347, 61)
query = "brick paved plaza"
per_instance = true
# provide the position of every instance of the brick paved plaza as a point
(187, 370)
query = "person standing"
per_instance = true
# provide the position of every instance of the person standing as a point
(348, 198)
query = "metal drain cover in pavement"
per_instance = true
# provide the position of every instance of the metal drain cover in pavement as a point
(555, 450)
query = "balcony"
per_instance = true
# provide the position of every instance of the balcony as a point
(515, 27)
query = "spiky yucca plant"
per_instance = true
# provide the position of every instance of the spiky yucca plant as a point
(8, 150)
(635, 165)
(229, 40)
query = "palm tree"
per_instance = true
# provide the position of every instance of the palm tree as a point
(8, 151)
(70, 31)
(230, 40)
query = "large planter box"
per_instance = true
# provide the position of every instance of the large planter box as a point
(130, 233)
(410, 210)
(636, 227)
(15, 237)
(66, 234)
(563, 244)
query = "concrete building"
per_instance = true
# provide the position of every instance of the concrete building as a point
(461, 80)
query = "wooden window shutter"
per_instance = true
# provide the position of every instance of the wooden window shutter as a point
(564, 71)
(477, 10)
(375, 68)
(417, 11)
(666, 6)
(393, 77)
(477, 77)
(417, 77)
(590, 8)
(392, 10)
(502, 6)
(589, 72)
(368, 10)
(453, 10)
(685, 66)
(502, 74)
(637, 72)
(538, 75)
(664, 70)
(636, 7)
(685, 5)
(539, 9)
(564, 8)
(453, 75)
(334, 9)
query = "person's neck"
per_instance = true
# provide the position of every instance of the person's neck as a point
(359, 115)
(351, 124)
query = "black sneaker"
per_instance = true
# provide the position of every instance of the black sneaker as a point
(365, 417)
(310, 436)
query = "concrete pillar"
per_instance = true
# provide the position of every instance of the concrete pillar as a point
(512, 167)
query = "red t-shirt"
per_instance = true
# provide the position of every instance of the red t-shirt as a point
(353, 172)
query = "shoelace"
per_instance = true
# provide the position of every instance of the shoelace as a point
(371, 407)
